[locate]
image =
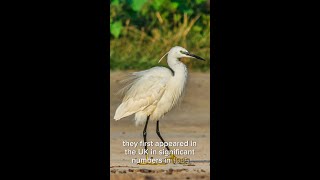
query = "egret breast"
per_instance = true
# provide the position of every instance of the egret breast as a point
(172, 94)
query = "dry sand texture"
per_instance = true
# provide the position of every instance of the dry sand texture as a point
(188, 122)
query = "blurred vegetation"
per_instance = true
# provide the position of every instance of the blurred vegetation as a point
(142, 31)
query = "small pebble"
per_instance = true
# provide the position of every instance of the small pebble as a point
(170, 171)
(145, 170)
(113, 171)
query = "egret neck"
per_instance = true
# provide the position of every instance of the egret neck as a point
(180, 74)
(177, 66)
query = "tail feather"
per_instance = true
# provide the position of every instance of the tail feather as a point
(121, 113)
(140, 117)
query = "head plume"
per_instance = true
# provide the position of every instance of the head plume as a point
(163, 57)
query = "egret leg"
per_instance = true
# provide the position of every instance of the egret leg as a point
(172, 156)
(145, 136)
(146, 147)
(158, 132)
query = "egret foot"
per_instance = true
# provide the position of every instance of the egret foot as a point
(175, 160)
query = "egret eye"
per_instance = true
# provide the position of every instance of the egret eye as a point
(183, 52)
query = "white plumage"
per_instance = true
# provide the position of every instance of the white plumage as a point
(155, 91)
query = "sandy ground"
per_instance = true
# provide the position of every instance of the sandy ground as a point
(188, 122)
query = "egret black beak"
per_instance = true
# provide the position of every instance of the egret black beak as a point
(194, 56)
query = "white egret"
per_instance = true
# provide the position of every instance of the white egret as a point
(151, 93)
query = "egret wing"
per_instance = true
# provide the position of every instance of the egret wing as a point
(145, 89)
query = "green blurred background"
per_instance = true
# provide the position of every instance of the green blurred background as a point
(142, 31)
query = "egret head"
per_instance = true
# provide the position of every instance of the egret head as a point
(180, 52)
